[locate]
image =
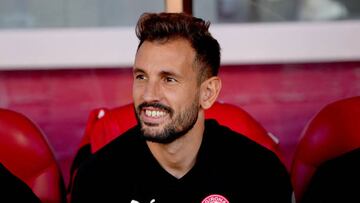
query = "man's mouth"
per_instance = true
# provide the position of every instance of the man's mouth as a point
(154, 114)
(153, 117)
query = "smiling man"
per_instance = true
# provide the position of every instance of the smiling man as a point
(174, 154)
(163, 89)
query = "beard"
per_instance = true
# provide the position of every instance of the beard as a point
(180, 123)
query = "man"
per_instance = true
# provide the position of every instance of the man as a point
(173, 154)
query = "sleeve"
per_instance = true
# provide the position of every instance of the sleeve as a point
(86, 185)
(98, 181)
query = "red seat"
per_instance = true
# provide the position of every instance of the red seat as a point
(334, 131)
(26, 153)
(105, 125)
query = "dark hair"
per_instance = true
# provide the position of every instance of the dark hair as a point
(167, 26)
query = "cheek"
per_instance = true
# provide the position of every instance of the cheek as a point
(136, 93)
(185, 98)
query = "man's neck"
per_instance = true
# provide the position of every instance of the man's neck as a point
(178, 157)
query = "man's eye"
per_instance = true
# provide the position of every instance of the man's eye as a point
(170, 79)
(140, 77)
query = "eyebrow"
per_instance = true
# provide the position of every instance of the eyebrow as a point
(163, 73)
(168, 73)
(136, 70)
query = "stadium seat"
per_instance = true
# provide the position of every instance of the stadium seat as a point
(104, 125)
(332, 133)
(26, 153)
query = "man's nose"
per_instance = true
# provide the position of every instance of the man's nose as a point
(152, 91)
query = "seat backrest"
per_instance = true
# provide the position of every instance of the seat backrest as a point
(27, 154)
(105, 125)
(332, 132)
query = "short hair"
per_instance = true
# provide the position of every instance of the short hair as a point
(167, 26)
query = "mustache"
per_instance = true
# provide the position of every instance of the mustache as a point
(155, 105)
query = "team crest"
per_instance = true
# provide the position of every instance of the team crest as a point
(215, 199)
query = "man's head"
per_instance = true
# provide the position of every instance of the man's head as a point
(162, 27)
(174, 74)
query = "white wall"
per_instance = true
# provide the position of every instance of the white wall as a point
(241, 44)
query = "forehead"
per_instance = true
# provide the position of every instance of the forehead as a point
(175, 54)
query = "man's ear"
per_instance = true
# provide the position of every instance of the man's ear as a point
(209, 91)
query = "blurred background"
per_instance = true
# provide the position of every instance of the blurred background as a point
(282, 60)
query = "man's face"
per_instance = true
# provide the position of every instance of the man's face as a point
(165, 90)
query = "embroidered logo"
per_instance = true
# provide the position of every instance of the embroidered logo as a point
(215, 199)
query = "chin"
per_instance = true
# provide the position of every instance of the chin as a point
(152, 132)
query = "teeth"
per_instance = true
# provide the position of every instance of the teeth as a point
(154, 113)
